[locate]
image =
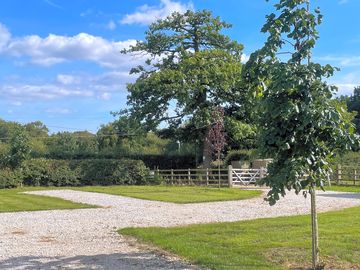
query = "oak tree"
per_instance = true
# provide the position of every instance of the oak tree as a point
(192, 68)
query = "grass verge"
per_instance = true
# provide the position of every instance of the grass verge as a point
(344, 188)
(12, 200)
(176, 194)
(274, 243)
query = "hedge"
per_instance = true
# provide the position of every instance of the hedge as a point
(235, 155)
(151, 161)
(10, 179)
(51, 172)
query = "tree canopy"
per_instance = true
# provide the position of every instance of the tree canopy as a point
(354, 105)
(300, 125)
(192, 68)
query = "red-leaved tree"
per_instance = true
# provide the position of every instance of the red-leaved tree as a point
(217, 135)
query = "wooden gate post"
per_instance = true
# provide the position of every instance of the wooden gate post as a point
(207, 176)
(230, 176)
(338, 175)
(262, 174)
(355, 177)
(189, 177)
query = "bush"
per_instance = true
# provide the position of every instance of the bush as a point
(10, 178)
(111, 172)
(242, 155)
(150, 161)
(51, 172)
(4, 152)
(46, 172)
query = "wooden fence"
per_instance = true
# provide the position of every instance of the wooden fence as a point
(342, 175)
(211, 177)
(346, 175)
(198, 177)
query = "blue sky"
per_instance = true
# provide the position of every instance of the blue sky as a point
(60, 60)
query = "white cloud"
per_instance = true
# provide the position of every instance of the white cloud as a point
(105, 96)
(342, 2)
(66, 86)
(147, 14)
(346, 61)
(87, 12)
(55, 49)
(51, 3)
(5, 37)
(345, 88)
(244, 58)
(111, 25)
(26, 92)
(58, 111)
(67, 79)
(17, 103)
(347, 82)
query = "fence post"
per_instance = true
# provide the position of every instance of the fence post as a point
(262, 174)
(355, 177)
(230, 176)
(207, 176)
(189, 176)
(172, 176)
(338, 178)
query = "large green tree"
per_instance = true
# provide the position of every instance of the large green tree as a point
(19, 149)
(354, 105)
(192, 68)
(300, 126)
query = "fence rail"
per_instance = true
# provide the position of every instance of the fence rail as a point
(342, 175)
(211, 177)
(198, 177)
(346, 175)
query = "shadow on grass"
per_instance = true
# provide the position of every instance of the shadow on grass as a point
(133, 261)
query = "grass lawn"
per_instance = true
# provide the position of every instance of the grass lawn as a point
(344, 188)
(176, 194)
(274, 243)
(11, 200)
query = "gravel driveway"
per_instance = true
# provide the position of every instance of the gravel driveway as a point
(86, 238)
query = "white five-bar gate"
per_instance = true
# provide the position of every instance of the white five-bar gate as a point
(244, 177)
(211, 177)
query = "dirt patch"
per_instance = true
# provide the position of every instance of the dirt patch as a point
(47, 239)
(18, 232)
(300, 259)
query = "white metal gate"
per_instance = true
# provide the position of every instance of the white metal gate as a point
(241, 177)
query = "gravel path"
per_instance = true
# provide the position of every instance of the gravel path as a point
(86, 238)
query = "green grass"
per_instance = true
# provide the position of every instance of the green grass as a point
(176, 194)
(274, 243)
(11, 200)
(344, 188)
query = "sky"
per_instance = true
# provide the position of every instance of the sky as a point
(60, 60)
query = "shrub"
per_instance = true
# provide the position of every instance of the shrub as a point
(10, 178)
(51, 172)
(46, 172)
(111, 171)
(242, 155)
(4, 152)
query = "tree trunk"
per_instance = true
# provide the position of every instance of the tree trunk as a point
(314, 227)
(207, 157)
(218, 155)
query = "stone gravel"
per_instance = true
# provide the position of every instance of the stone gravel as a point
(87, 238)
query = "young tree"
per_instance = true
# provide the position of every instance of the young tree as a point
(192, 68)
(217, 135)
(300, 127)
